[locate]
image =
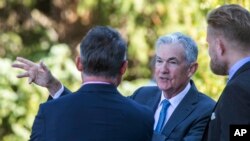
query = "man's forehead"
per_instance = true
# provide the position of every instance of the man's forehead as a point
(171, 52)
(170, 57)
(170, 47)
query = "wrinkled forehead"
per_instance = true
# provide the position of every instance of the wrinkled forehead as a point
(169, 50)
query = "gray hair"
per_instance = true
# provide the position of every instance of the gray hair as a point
(191, 50)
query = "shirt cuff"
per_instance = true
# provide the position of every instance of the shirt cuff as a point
(58, 93)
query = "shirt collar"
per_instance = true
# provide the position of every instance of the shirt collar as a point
(236, 66)
(174, 101)
(95, 82)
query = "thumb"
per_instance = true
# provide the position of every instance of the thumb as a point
(43, 66)
(31, 79)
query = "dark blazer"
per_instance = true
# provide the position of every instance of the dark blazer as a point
(233, 106)
(96, 112)
(188, 121)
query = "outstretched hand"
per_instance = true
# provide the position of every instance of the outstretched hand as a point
(38, 74)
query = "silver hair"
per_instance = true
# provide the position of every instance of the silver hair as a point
(189, 45)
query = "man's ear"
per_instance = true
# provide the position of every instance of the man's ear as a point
(220, 46)
(124, 67)
(192, 69)
(78, 62)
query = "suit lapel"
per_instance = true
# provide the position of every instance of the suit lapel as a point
(154, 101)
(183, 110)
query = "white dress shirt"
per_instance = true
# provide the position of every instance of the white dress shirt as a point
(174, 102)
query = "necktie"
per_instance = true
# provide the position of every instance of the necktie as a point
(163, 113)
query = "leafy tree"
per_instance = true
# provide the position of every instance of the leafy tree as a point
(50, 30)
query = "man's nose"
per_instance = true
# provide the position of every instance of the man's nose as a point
(165, 68)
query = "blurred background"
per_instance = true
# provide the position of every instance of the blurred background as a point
(50, 30)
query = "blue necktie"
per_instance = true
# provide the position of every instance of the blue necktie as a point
(163, 113)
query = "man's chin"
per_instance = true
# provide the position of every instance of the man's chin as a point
(163, 87)
(218, 72)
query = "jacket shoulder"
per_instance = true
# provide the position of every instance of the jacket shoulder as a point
(206, 101)
(145, 92)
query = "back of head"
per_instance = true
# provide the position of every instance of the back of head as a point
(233, 22)
(189, 45)
(103, 52)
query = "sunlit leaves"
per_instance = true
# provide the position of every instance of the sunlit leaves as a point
(49, 30)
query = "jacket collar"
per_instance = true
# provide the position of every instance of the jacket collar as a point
(241, 70)
(98, 87)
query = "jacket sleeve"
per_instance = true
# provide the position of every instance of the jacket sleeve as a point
(66, 91)
(198, 126)
(134, 95)
(38, 128)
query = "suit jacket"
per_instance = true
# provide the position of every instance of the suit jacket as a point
(188, 121)
(96, 112)
(233, 106)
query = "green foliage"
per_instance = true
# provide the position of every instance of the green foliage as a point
(50, 30)
(19, 101)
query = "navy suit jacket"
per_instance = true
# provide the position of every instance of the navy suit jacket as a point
(233, 106)
(188, 121)
(96, 112)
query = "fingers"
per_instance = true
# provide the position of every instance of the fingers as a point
(25, 61)
(43, 66)
(26, 74)
(21, 66)
(30, 80)
(30, 67)
(24, 64)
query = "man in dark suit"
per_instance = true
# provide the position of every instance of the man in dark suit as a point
(97, 111)
(175, 63)
(189, 110)
(228, 37)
